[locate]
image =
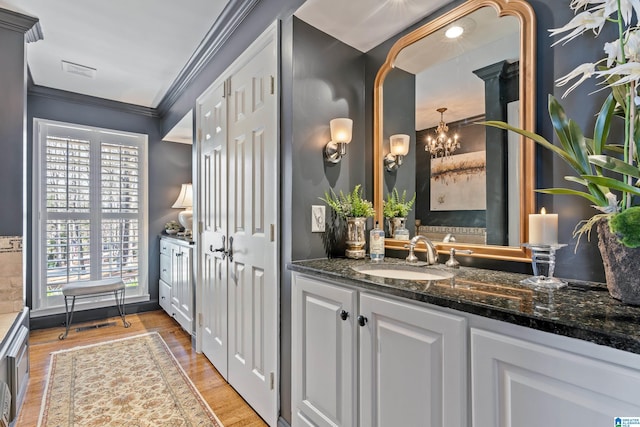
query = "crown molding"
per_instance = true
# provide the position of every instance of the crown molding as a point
(230, 18)
(17, 21)
(63, 95)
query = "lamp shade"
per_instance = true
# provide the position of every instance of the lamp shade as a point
(185, 198)
(399, 144)
(341, 130)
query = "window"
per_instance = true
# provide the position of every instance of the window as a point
(89, 210)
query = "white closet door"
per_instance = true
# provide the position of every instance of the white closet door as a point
(252, 213)
(213, 201)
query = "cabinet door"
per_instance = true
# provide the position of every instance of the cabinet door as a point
(164, 294)
(524, 384)
(181, 294)
(413, 365)
(323, 351)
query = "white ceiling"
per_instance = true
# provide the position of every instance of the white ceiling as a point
(364, 24)
(138, 47)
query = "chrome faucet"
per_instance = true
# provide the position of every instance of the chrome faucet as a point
(432, 253)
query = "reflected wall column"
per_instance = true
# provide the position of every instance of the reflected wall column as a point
(501, 87)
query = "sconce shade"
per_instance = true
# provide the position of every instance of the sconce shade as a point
(399, 144)
(185, 198)
(341, 130)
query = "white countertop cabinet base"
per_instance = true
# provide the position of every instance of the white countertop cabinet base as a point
(176, 281)
(516, 382)
(385, 362)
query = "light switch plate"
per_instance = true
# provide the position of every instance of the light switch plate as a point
(317, 218)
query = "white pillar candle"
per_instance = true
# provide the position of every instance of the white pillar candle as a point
(543, 228)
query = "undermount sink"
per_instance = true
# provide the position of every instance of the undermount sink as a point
(402, 272)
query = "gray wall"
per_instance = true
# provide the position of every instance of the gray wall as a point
(169, 165)
(322, 79)
(12, 76)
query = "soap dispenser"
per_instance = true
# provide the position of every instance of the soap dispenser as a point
(376, 244)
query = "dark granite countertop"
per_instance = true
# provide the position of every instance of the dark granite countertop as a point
(582, 310)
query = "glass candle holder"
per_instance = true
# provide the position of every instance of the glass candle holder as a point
(543, 260)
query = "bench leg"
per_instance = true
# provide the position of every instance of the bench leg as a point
(120, 305)
(68, 316)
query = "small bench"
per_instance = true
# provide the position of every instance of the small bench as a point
(92, 288)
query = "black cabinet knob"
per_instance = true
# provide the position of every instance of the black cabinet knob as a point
(344, 315)
(362, 320)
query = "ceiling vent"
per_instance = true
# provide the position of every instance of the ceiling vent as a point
(78, 69)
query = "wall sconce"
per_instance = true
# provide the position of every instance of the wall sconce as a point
(185, 201)
(399, 147)
(341, 132)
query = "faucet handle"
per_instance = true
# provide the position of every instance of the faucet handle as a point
(411, 257)
(452, 262)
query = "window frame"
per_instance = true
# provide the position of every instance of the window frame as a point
(42, 129)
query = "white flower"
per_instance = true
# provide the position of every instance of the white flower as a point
(577, 4)
(580, 23)
(626, 8)
(614, 54)
(584, 70)
(630, 71)
(632, 46)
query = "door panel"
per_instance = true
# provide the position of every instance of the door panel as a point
(324, 359)
(253, 165)
(525, 384)
(213, 196)
(238, 166)
(397, 338)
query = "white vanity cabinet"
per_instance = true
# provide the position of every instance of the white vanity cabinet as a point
(410, 359)
(176, 280)
(547, 380)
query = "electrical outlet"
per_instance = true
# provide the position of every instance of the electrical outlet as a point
(317, 218)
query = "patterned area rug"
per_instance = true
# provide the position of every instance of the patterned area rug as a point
(131, 382)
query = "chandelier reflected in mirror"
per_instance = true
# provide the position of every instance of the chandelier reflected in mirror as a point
(442, 145)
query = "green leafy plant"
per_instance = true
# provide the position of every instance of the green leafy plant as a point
(606, 173)
(396, 206)
(172, 225)
(350, 204)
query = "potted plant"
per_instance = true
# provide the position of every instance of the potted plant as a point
(396, 208)
(606, 170)
(172, 227)
(353, 208)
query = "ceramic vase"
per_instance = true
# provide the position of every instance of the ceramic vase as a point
(356, 228)
(621, 266)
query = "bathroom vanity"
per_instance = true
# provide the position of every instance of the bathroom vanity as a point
(474, 349)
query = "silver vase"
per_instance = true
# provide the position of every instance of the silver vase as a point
(356, 228)
(394, 223)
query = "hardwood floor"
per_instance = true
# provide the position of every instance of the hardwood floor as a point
(230, 408)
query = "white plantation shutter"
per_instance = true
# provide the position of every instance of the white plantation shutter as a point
(89, 209)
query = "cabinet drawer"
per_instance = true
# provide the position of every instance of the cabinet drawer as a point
(165, 267)
(165, 247)
(164, 296)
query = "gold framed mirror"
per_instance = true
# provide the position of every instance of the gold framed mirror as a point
(523, 15)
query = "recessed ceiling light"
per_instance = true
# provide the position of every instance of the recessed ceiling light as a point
(454, 32)
(80, 70)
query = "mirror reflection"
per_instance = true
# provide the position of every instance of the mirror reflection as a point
(471, 181)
